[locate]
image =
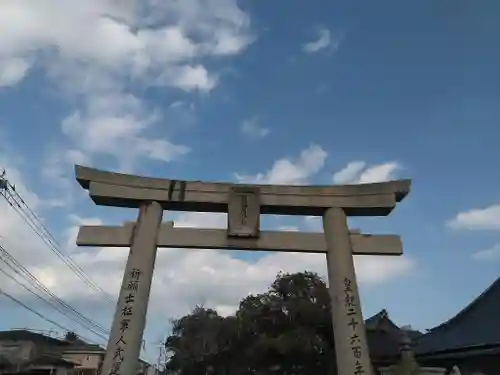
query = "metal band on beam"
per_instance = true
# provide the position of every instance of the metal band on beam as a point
(194, 238)
(122, 190)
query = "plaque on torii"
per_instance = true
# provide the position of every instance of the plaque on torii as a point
(244, 204)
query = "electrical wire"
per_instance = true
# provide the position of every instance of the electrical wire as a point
(32, 220)
(14, 199)
(12, 298)
(25, 274)
(55, 302)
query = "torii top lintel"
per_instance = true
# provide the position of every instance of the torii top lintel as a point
(124, 190)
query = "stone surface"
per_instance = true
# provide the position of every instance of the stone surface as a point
(351, 346)
(197, 238)
(124, 345)
(243, 212)
(334, 203)
(121, 190)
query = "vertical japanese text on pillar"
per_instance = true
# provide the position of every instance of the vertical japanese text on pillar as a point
(353, 322)
(127, 312)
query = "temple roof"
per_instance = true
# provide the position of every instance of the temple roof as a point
(380, 321)
(474, 326)
(385, 337)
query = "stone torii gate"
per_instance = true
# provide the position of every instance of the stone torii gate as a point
(244, 204)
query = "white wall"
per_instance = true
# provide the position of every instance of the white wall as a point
(84, 360)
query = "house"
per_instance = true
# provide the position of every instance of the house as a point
(23, 352)
(470, 340)
(26, 352)
(86, 357)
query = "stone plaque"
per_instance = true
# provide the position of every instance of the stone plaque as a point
(243, 212)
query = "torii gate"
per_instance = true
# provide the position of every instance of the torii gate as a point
(244, 204)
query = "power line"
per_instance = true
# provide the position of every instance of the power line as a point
(12, 298)
(24, 273)
(62, 310)
(36, 225)
(14, 199)
(31, 219)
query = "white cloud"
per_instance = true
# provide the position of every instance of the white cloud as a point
(113, 125)
(253, 129)
(229, 44)
(349, 173)
(491, 254)
(477, 219)
(379, 173)
(13, 70)
(357, 172)
(57, 167)
(379, 269)
(285, 171)
(189, 78)
(324, 40)
(119, 37)
(99, 51)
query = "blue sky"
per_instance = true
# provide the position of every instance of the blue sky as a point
(259, 92)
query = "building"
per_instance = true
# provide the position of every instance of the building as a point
(466, 344)
(470, 340)
(26, 352)
(87, 358)
(23, 352)
(385, 339)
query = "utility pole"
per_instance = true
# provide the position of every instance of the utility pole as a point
(161, 347)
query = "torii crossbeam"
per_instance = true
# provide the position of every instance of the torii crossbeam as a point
(197, 238)
(244, 204)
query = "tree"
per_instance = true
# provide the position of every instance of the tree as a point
(286, 330)
(199, 342)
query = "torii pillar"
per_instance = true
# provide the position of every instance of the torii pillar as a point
(244, 204)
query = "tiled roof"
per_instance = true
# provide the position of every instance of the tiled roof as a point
(478, 324)
(382, 345)
(25, 335)
(385, 337)
(380, 321)
(80, 345)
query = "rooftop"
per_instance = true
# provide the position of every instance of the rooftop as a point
(385, 337)
(78, 344)
(26, 335)
(474, 326)
(67, 345)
